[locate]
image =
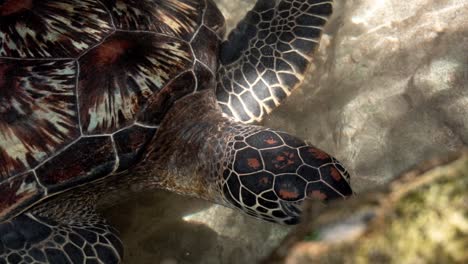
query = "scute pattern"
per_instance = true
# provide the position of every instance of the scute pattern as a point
(22, 189)
(118, 77)
(87, 159)
(79, 81)
(273, 172)
(159, 103)
(40, 240)
(204, 49)
(214, 19)
(178, 18)
(130, 144)
(267, 54)
(38, 114)
(51, 28)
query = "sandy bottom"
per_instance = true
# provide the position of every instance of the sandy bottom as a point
(162, 227)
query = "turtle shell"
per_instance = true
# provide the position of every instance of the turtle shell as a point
(84, 85)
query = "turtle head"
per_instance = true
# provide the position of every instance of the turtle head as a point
(268, 174)
(265, 173)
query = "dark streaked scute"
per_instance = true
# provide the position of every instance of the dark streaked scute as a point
(205, 77)
(160, 102)
(214, 19)
(33, 239)
(18, 193)
(38, 114)
(118, 77)
(87, 159)
(178, 18)
(47, 28)
(131, 143)
(204, 47)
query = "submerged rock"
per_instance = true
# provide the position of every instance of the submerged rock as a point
(421, 217)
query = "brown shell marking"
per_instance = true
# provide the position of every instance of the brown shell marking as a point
(109, 51)
(214, 19)
(119, 76)
(78, 163)
(38, 114)
(13, 6)
(205, 45)
(130, 144)
(178, 18)
(160, 102)
(22, 190)
(35, 28)
(205, 77)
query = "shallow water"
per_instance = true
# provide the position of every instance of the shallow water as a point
(389, 89)
(166, 228)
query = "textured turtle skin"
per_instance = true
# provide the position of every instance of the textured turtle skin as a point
(85, 84)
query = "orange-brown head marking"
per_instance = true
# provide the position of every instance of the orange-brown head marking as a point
(253, 163)
(318, 153)
(271, 141)
(335, 174)
(317, 194)
(280, 158)
(285, 194)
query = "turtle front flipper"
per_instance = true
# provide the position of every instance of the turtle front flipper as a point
(266, 56)
(84, 238)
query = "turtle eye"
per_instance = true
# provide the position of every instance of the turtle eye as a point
(272, 172)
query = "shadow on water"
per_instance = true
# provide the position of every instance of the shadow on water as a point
(155, 228)
(154, 223)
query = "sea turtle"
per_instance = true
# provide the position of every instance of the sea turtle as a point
(98, 97)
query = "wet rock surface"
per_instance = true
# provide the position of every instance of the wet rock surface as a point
(421, 217)
(389, 90)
